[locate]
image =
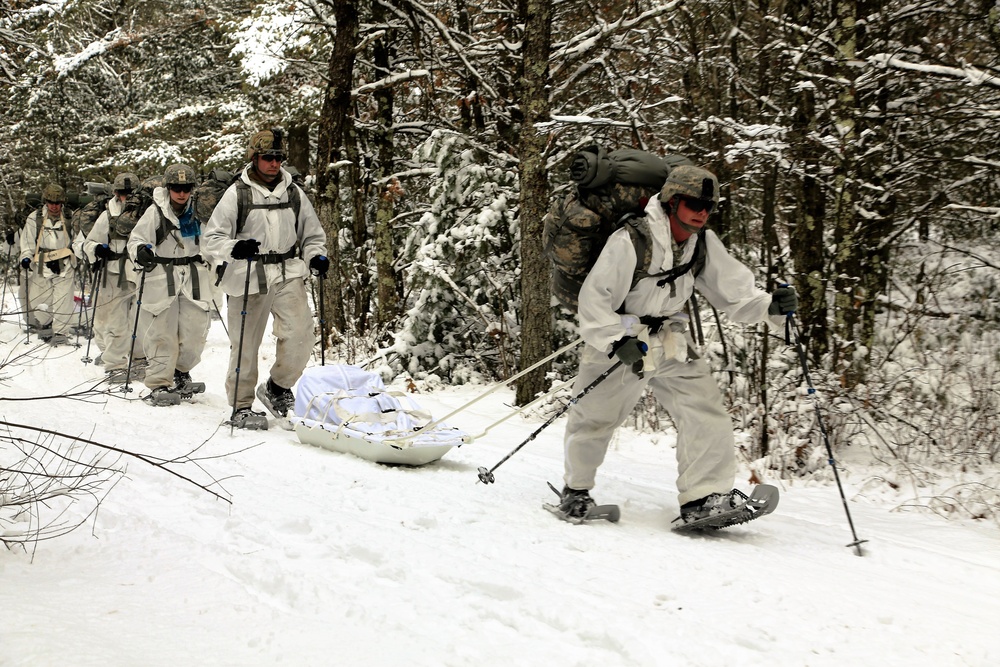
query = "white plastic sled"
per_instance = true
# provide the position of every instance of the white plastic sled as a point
(346, 409)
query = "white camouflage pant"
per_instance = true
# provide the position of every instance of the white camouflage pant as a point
(174, 339)
(293, 327)
(114, 320)
(51, 300)
(706, 456)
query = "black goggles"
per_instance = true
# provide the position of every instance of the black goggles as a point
(188, 187)
(698, 205)
(272, 157)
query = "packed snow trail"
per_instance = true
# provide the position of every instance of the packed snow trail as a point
(324, 558)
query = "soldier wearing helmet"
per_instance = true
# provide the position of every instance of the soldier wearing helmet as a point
(268, 253)
(639, 321)
(176, 290)
(114, 315)
(47, 256)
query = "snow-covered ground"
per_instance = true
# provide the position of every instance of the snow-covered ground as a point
(327, 559)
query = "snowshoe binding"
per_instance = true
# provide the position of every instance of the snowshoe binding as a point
(720, 510)
(162, 397)
(246, 418)
(576, 506)
(278, 400)
(185, 387)
(119, 375)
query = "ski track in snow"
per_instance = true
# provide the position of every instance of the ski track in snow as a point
(324, 558)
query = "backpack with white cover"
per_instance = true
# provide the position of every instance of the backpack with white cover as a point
(611, 190)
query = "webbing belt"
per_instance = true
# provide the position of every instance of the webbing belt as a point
(271, 258)
(168, 266)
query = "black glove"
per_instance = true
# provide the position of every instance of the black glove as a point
(784, 300)
(10, 238)
(54, 266)
(25, 263)
(145, 257)
(319, 265)
(102, 251)
(630, 350)
(96, 265)
(246, 249)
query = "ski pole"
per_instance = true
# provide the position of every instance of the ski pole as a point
(83, 306)
(221, 318)
(486, 476)
(93, 296)
(790, 323)
(135, 331)
(239, 347)
(322, 324)
(27, 305)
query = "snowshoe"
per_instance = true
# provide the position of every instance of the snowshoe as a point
(185, 386)
(720, 510)
(246, 418)
(162, 397)
(120, 375)
(278, 401)
(576, 506)
(56, 339)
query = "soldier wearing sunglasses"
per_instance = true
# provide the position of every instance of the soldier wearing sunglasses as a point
(639, 320)
(268, 255)
(47, 256)
(176, 292)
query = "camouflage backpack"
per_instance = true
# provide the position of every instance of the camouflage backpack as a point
(84, 217)
(133, 208)
(611, 191)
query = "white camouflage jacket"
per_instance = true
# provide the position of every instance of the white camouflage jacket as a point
(277, 230)
(167, 281)
(725, 282)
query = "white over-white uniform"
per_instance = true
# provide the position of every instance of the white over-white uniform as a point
(276, 286)
(680, 381)
(175, 296)
(114, 314)
(49, 294)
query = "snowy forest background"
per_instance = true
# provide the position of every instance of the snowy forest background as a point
(857, 142)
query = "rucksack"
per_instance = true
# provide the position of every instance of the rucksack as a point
(133, 208)
(611, 191)
(210, 191)
(84, 217)
(33, 202)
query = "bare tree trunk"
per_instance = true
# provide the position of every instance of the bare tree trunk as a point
(334, 125)
(848, 290)
(298, 147)
(387, 288)
(806, 220)
(536, 312)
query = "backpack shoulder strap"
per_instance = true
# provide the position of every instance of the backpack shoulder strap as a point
(638, 231)
(244, 200)
(695, 265)
(161, 228)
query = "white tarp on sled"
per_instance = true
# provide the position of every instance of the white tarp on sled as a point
(346, 409)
